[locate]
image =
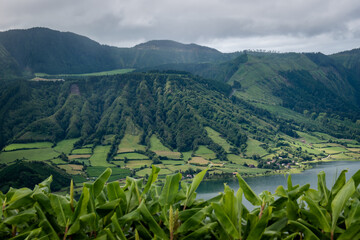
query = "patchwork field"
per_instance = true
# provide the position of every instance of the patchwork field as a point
(130, 156)
(86, 162)
(205, 153)
(254, 148)
(130, 143)
(216, 137)
(99, 156)
(19, 146)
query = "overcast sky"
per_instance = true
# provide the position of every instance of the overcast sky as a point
(228, 25)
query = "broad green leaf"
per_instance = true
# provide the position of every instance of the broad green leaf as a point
(257, 230)
(45, 185)
(89, 219)
(239, 195)
(22, 217)
(278, 225)
(117, 227)
(323, 189)
(351, 232)
(321, 220)
(170, 189)
(289, 183)
(20, 198)
(296, 193)
(280, 191)
(115, 192)
(340, 182)
(339, 201)
(150, 221)
(43, 200)
(45, 224)
(198, 234)
(225, 220)
(100, 182)
(106, 208)
(194, 185)
(194, 221)
(309, 235)
(152, 178)
(356, 178)
(62, 209)
(354, 213)
(248, 192)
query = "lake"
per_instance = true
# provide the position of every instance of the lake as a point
(209, 189)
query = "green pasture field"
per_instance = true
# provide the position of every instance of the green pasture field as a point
(111, 72)
(341, 157)
(35, 145)
(138, 163)
(186, 155)
(82, 161)
(309, 138)
(58, 161)
(130, 143)
(169, 154)
(334, 150)
(96, 171)
(99, 156)
(143, 172)
(78, 178)
(173, 162)
(239, 160)
(131, 156)
(41, 154)
(216, 137)
(65, 146)
(254, 148)
(206, 153)
(156, 145)
(81, 151)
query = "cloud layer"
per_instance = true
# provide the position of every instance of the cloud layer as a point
(228, 25)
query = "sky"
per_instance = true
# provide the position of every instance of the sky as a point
(228, 25)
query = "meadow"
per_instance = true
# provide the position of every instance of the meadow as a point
(88, 162)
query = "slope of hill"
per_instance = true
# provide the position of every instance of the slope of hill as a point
(49, 51)
(8, 66)
(54, 52)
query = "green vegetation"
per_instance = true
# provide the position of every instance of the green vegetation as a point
(111, 211)
(111, 72)
(156, 145)
(205, 153)
(99, 157)
(218, 139)
(35, 145)
(130, 143)
(253, 148)
(28, 174)
(130, 156)
(65, 146)
(81, 151)
(41, 154)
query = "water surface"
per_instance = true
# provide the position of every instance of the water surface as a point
(209, 189)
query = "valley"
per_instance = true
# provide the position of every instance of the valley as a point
(181, 107)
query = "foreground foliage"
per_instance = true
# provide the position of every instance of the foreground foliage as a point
(149, 211)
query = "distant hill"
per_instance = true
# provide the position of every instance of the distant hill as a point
(28, 174)
(54, 52)
(311, 81)
(8, 66)
(49, 51)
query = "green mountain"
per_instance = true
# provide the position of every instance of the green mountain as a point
(8, 66)
(53, 52)
(49, 51)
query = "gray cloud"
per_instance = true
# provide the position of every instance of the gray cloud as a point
(229, 25)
